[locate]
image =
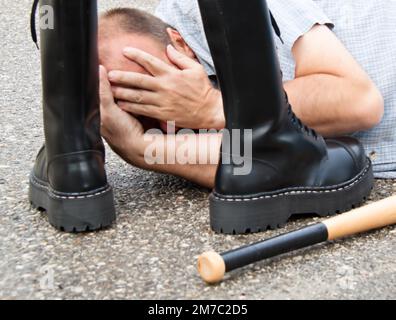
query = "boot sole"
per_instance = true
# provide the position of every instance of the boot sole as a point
(231, 215)
(73, 213)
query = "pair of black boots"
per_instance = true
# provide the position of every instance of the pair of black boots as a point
(293, 169)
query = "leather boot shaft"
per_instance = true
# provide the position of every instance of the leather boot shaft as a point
(69, 57)
(239, 33)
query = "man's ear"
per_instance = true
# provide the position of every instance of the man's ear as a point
(179, 43)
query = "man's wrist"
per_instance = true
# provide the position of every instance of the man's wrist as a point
(133, 150)
(216, 118)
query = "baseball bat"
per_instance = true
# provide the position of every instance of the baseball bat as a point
(213, 266)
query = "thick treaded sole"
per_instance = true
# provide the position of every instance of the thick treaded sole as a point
(75, 212)
(231, 215)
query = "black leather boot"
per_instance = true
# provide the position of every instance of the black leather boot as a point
(294, 170)
(69, 179)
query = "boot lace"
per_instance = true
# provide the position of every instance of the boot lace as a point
(298, 123)
(33, 22)
(276, 27)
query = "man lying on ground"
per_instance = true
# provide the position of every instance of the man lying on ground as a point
(165, 72)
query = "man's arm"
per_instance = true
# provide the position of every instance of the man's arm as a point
(193, 157)
(331, 92)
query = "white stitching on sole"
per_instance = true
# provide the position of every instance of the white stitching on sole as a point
(294, 192)
(53, 195)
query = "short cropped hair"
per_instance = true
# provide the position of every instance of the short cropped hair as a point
(140, 22)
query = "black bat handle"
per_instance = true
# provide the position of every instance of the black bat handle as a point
(295, 240)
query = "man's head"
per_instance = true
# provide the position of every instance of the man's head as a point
(125, 27)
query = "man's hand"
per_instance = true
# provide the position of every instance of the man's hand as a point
(120, 129)
(126, 137)
(183, 94)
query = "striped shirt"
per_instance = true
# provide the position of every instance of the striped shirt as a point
(366, 28)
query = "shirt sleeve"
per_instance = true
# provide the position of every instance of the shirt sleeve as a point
(295, 18)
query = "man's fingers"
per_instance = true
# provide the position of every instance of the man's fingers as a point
(152, 64)
(135, 96)
(106, 95)
(181, 60)
(133, 79)
(139, 109)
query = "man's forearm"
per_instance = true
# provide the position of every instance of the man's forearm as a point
(332, 105)
(193, 157)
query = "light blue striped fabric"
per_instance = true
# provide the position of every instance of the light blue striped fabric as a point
(367, 28)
